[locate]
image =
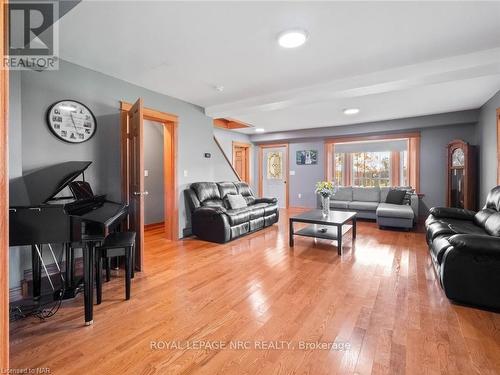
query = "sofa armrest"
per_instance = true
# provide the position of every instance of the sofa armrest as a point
(211, 224)
(209, 211)
(452, 213)
(266, 200)
(476, 244)
(414, 205)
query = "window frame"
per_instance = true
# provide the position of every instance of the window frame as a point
(413, 156)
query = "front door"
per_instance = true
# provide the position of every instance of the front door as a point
(136, 167)
(274, 176)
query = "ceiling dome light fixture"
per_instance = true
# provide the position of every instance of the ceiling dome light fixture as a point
(351, 111)
(259, 130)
(292, 38)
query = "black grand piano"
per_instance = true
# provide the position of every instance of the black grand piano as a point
(39, 215)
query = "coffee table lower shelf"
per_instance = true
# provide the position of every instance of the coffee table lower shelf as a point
(314, 231)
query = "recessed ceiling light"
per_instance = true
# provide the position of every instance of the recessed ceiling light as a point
(292, 38)
(219, 88)
(259, 130)
(351, 111)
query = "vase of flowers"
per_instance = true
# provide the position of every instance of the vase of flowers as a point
(325, 189)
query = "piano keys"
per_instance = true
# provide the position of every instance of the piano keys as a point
(39, 216)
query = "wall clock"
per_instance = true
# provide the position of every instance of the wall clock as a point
(71, 121)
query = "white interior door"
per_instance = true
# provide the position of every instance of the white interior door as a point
(274, 174)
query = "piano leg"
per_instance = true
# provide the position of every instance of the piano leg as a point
(88, 271)
(69, 266)
(36, 267)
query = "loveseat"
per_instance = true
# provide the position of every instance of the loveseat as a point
(370, 203)
(464, 247)
(213, 219)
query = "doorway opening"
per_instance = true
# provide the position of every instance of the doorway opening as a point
(154, 176)
(134, 192)
(241, 160)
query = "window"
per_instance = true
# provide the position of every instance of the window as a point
(338, 173)
(374, 161)
(371, 168)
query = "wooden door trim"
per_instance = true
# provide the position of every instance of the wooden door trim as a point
(151, 114)
(287, 167)
(4, 194)
(170, 123)
(498, 146)
(247, 147)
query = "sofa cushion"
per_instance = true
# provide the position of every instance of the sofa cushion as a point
(363, 206)
(395, 196)
(395, 210)
(465, 226)
(483, 215)
(343, 194)
(245, 191)
(243, 188)
(439, 247)
(339, 204)
(226, 188)
(492, 225)
(493, 199)
(438, 228)
(270, 209)
(371, 194)
(257, 210)
(238, 216)
(236, 201)
(383, 193)
(206, 191)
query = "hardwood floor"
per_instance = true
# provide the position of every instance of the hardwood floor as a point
(381, 297)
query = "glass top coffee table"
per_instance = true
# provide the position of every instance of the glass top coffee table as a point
(331, 227)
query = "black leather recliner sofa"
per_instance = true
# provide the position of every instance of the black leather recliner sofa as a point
(213, 220)
(465, 249)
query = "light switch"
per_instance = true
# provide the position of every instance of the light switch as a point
(292, 173)
(146, 173)
(185, 173)
(300, 195)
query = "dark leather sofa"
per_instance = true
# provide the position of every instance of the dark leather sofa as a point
(213, 220)
(465, 249)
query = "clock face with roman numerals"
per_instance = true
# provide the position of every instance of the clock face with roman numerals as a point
(71, 121)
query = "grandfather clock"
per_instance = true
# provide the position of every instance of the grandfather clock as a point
(461, 175)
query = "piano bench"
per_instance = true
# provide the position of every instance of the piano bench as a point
(116, 244)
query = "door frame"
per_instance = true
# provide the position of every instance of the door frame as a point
(498, 146)
(247, 147)
(287, 162)
(170, 123)
(4, 194)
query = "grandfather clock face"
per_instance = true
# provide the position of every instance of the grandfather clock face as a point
(458, 158)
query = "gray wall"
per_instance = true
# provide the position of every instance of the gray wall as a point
(226, 139)
(304, 180)
(487, 138)
(376, 127)
(436, 132)
(154, 202)
(102, 94)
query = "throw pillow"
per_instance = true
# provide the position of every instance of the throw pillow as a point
(395, 196)
(236, 201)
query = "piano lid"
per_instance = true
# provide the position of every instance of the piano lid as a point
(41, 185)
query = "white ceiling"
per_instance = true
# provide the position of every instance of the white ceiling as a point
(390, 59)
